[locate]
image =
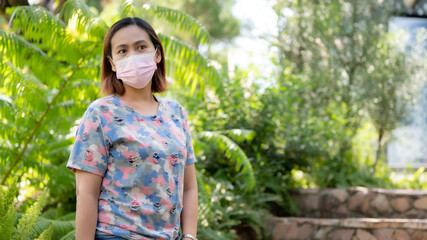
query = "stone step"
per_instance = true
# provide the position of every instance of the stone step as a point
(361, 202)
(293, 228)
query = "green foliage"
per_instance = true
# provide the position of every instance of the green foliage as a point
(244, 178)
(28, 220)
(215, 15)
(8, 216)
(340, 80)
(337, 70)
(178, 19)
(62, 225)
(229, 213)
(54, 62)
(24, 228)
(47, 234)
(410, 178)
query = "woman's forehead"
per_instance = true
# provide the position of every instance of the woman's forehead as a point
(129, 35)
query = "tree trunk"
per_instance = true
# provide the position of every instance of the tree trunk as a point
(379, 146)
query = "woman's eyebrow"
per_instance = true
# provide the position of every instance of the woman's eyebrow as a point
(124, 45)
(140, 41)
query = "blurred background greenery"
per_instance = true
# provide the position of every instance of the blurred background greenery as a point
(341, 82)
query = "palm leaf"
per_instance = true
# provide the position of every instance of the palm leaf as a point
(245, 177)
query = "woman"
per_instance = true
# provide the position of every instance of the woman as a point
(133, 155)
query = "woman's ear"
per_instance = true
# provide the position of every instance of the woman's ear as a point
(158, 57)
(113, 67)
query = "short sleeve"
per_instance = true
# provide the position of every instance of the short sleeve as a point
(190, 149)
(90, 149)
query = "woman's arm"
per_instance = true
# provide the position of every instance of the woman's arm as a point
(190, 201)
(88, 187)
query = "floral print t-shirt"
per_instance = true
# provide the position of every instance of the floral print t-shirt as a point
(142, 161)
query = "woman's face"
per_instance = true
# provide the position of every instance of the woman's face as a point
(131, 40)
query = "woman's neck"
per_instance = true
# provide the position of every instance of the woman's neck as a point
(133, 95)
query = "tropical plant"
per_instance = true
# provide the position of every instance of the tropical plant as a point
(243, 174)
(62, 225)
(50, 74)
(53, 63)
(23, 230)
(223, 214)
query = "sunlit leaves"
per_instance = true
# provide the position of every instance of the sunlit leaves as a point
(245, 177)
(186, 65)
(178, 19)
(57, 58)
(82, 22)
(183, 21)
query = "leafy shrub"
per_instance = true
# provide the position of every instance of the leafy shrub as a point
(23, 230)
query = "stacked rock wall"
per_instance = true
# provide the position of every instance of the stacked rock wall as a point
(347, 229)
(354, 214)
(361, 202)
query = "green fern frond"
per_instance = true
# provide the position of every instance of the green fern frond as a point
(28, 220)
(81, 19)
(8, 220)
(7, 151)
(186, 65)
(70, 236)
(18, 50)
(43, 29)
(24, 55)
(11, 76)
(178, 19)
(7, 107)
(46, 234)
(59, 227)
(245, 177)
(10, 136)
(36, 24)
(182, 21)
(9, 196)
(7, 210)
(68, 217)
(129, 8)
(51, 213)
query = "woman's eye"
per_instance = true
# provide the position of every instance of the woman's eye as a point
(121, 51)
(141, 47)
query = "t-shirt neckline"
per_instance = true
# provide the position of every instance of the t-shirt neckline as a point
(123, 103)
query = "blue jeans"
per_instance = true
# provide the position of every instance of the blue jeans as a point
(102, 236)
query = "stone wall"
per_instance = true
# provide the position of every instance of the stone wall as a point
(359, 202)
(347, 229)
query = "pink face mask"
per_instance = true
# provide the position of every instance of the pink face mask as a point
(136, 70)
